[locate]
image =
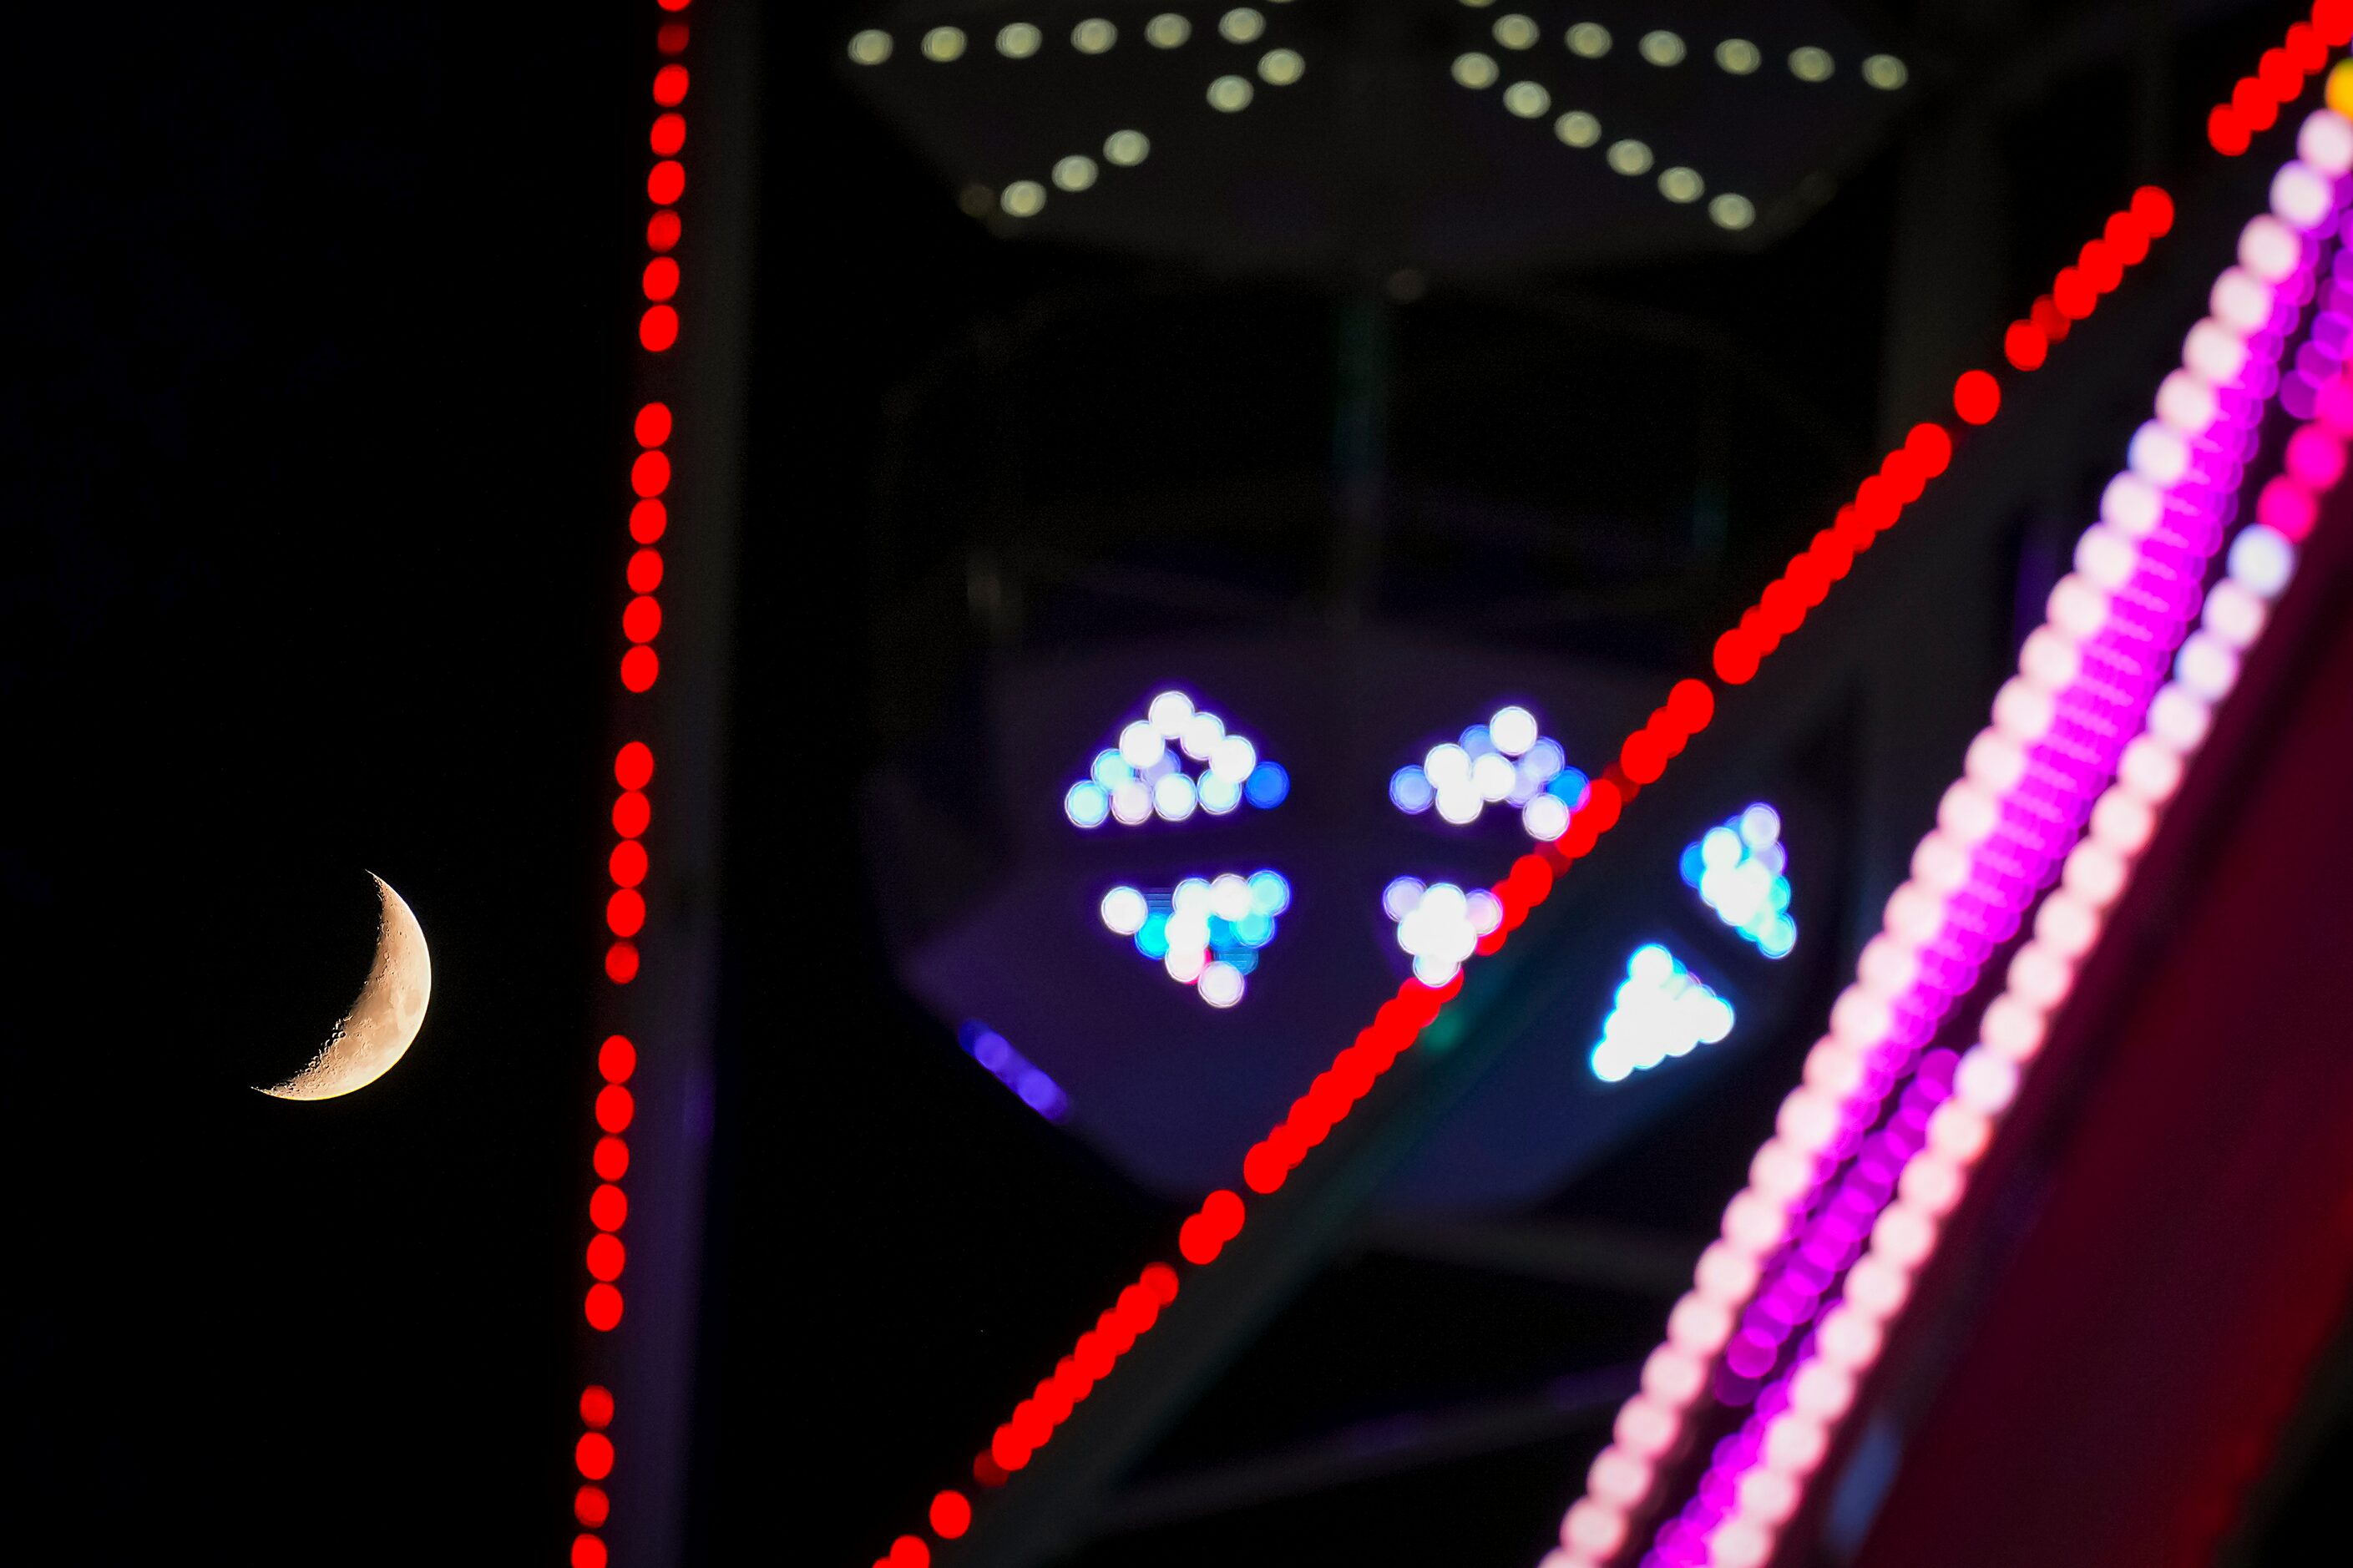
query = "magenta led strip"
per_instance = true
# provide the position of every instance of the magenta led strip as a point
(2088, 678)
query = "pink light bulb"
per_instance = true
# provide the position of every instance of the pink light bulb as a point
(2077, 609)
(1940, 864)
(2094, 874)
(2039, 976)
(1876, 1289)
(1849, 1340)
(2179, 718)
(1794, 1443)
(1807, 1122)
(2241, 302)
(1960, 1132)
(2315, 458)
(1780, 1172)
(2234, 614)
(1986, 1081)
(2207, 666)
(1593, 1528)
(1859, 1017)
(2050, 660)
(2326, 141)
(1619, 1477)
(2302, 196)
(1768, 1496)
(2107, 557)
(1698, 1326)
(2217, 354)
(2186, 403)
(2269, 249)
(1821, 1390)
(2130, 504)
(1916, 914)
(1888, 965)
(1754, 1223)
(1646, 1429)
(1932, 1185)
(1834, 1068)
(1902, 1235)
(1996, 762)
(2066, 925)
(1725, 1273)
(1968, 812)
(2013, 1029)
(2146, 768)
(1672, 1378)
(2022, 712)
(1739, 1542)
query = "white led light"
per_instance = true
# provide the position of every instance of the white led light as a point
(1022, 198)
(1662, 47)
(1126, 149)
(2185, 401)
(1075, 172)
(1018, 40)
(1166, 30)
(1546, 817)
(1811, 64)
(2159, 455)
(869, 48)
(2206, 666)
(1093, 35)
(943, 44)
(1516, 32)
(2326, 142)
(1241, 25)
(2234, 614)
(2179, 718)
(2302, 196)
(2241, 301)
(2215, 353)
(1577, 128)
(1230, 94)
(2269, 249)
(1220, 984)
(1738, 56)
(1886, 72)
(1123, 910)
(1588, 40)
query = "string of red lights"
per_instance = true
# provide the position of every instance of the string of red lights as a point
(2279, 78)
(627, 862)
(1879, 501)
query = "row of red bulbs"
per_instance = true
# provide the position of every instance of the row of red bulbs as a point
(2279, 78)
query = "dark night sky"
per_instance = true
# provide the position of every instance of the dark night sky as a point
(318, 386)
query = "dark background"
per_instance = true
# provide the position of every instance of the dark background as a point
(320, 351)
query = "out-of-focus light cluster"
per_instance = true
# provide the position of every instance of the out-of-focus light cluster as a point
(1144, 775)
(1439, 924)
(1660, 1010)
(1665, 50)
(1740, 870)
(2035, 802)
(1501, 762)
(1014, 1071)
(1207, 932)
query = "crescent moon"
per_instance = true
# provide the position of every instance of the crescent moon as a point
(376, 1030)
